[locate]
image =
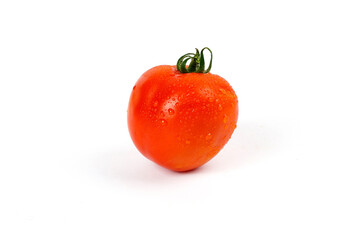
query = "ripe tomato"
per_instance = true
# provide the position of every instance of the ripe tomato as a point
(181, 120)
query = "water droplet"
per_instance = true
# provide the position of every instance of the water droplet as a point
(220, 107)
(217, 100)
(225, 119)
(208, 136)
(187, 142)
(171, 111)
(155, 103)
(211, 99)
(163, 122)
(222, 90)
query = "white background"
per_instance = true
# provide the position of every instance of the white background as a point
(69, 170)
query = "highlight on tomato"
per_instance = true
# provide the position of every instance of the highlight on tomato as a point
(181, 116)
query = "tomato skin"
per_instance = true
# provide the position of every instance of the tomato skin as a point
(180, 121)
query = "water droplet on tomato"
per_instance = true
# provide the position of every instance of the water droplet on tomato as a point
(225, 119)
(163, 122)
(217, 100)
(222, 90)
(220, 107)
(211, 99)
(208, 136)
(171, 111)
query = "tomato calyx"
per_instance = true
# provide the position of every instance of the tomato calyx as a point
(197, 64)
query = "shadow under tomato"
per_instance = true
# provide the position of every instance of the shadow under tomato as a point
(130, 167)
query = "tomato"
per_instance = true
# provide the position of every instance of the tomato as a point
(181, 120)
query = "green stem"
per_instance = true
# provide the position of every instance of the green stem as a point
(197, 64)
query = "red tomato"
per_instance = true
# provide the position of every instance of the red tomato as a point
(181, 120)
